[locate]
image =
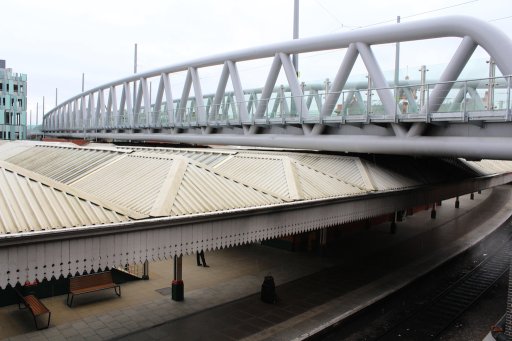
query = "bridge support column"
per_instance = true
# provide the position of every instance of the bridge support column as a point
(177, 292)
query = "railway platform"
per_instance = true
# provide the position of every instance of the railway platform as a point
(222, 302)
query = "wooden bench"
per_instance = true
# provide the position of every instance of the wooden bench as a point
(36, 307)
(91, 283)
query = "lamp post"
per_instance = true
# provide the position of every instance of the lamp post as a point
(397, 59)
(134, 71)
(296, 33)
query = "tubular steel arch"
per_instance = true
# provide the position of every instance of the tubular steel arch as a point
(343, 121)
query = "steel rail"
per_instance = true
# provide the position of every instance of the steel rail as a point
(434, 318)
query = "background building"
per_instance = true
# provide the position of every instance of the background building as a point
(13, 104)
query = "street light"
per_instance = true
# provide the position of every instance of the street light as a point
(296, 33)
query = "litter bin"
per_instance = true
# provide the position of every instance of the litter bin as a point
(268, 290)
(177, 290)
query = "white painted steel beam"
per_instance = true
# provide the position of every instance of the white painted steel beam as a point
(169, 100)
(221, 90)
(84, 112)
(198, 94)
(184, 97)
(291, 75)
(476, 148)
(239, 94)
(100, 110)
(379, 81)
(266, 92)
(340, 80)
(159, 95)
(90, 123)
(450, 73)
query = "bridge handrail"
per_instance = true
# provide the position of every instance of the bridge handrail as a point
(214, 119)
(471, 82)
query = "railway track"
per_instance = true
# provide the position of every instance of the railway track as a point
(429, 321)
(429, 307)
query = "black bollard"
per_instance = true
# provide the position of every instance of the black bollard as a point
(268, 290)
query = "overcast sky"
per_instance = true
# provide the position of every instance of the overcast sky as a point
(55, 41)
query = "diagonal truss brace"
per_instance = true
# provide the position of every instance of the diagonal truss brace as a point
(239, 92)
(164, 86)
(379, 81)
(441, 90)
(293, 82)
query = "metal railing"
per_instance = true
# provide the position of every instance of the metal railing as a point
(467, 100)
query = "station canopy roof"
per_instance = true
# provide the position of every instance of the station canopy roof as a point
(48, 186)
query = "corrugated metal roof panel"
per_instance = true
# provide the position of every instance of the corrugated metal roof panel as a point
(255, 169)
(385, 179)
(10, 148)
(142, 182)
(345, 168)
(110, 184)
(488, 167)
(316, 184)
(203, 190)
(29, 204)
(63, 164)
(206, 157)
(209, 157)
(341, 167)
(132, 181)
(266, 173)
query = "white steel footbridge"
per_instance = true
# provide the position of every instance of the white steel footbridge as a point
(446, 116)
